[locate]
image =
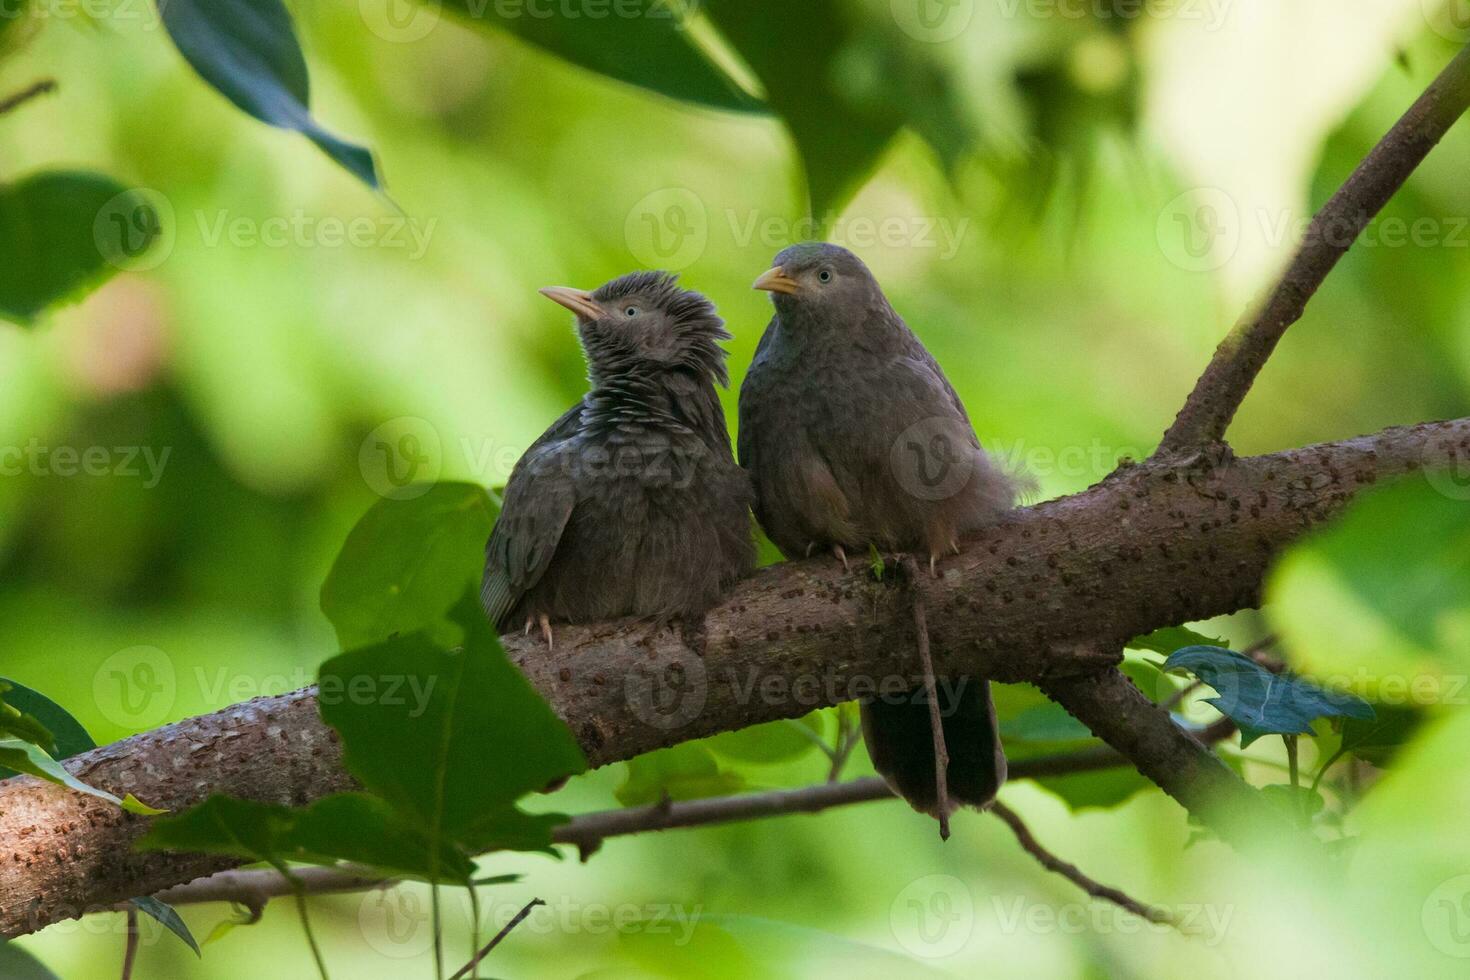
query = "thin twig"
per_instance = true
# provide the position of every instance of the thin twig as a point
(1244, 351)
(520, 916)
(1051, 862)
(130, 953)
(936, 718)
(26, 94)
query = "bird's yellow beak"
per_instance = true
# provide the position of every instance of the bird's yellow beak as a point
(579, 301)
(775, 280)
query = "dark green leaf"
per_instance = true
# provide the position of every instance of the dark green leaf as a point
(63, 233)
(1048, 722)
(1260, 702)
(16, 723)
(31, 759)
(406, 562)
(70, 737)
(1300, 803)
(169, 918)
(684, 772)
(247, 50)
(419, 722)
(1376, 740)
(642, 42)
(351, 827)
(848, 87)
(17, 964)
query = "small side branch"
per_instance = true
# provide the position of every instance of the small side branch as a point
(1244, 351)
(1052, 863)
(15, 101)
(520, 917)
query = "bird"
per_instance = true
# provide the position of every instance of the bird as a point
(854, 439)
(631, 503)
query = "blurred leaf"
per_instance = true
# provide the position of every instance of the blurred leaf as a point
(775, 741)
(63, 233)
(406, 562)
(1300, 803)
(735, 947)
(17, 964)
(169, 917)
(18, 724)
(844, 85)
(1378, 739)
(642, 42)
(31, 759)
(1171, 638)
(247, 50)
(418, 724)
(1260, 702)
(1384, 591)
(1048, 722)
(351, 827)
(683, 772)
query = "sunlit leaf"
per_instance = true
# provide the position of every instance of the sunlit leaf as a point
(775, 741)
(683, 772)
(1261, 702)
(169, 918)
(33, 760)
(406, 562)
(63, 233)
(1171, 638)
(247, 50)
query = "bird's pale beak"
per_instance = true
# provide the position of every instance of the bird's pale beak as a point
(579, 301)
(775, 280)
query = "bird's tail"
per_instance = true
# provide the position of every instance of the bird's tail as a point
(901, 744)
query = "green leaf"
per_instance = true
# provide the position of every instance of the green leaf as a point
(63, 233)
(684, 772)
(844, 84)
(774, 741)
(168, 916)
(642, 42)
(1260, 702)
(419, 722)
(1378, 740)
(1172, 638)
(1048, 722)
(17, 964)
(247, 50)
(70, 737)
(1301, 804)
(19, 724)
(351, 827)
(33, 760)
(406, 562)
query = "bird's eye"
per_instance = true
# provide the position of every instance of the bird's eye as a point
(824, 276)
(631, 311)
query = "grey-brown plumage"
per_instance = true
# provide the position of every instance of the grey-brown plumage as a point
(631, 504)
(854, 437)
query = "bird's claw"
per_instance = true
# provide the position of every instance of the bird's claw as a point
(841, 556)
(545, 622)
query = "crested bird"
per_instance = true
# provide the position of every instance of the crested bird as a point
(855, 439)
(631, 503)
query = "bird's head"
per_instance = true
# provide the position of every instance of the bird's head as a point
(643, 323)
(814, 277)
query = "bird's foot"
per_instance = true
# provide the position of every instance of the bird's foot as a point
(546, 631)
(841, 556)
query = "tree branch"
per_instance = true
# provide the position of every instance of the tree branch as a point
(1241, 355)
(1031, 599)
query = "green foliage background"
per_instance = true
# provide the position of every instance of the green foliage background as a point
(1065, 316)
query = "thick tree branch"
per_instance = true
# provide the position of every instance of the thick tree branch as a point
(1244, 351)
(1031, 599)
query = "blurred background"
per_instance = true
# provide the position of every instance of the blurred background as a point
(1137, 175)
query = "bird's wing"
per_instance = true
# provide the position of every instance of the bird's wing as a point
(752, 398)
(539, 498)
